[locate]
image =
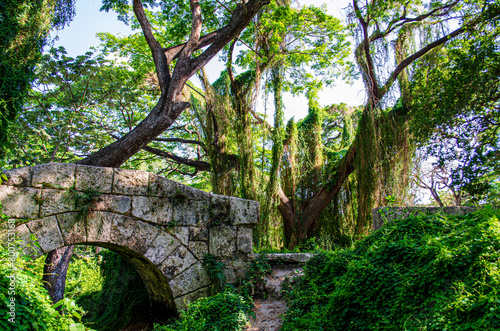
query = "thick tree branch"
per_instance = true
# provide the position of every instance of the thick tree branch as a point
(182, 141)
(241, 17)
(406, 62)
(198, 165)
(194, 39)
(159, 58)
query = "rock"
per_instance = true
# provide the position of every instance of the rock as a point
(18, 177)
(93, 178)
(20, 202)
(244, 212)
(152, 209)
(222, 241)
(192, 279)
(130, 182)
(161, 247)
(177, 262)
(54, 175)
(245, 240)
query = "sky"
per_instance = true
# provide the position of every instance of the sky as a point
(80, 36)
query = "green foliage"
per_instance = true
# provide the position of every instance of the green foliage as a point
(20, 279)
(24, 27)
(436, 272)
(215, 270)
(253, 282)
(85, 201)
(458, 127)
(226, 311)
(84, 274)
(119, 298)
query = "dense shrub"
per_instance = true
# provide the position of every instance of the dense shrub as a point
(32, 306)
(226, 311)
(422, 273)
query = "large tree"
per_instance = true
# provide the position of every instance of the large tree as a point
(24, 29)
(415, 29)
(174, 65)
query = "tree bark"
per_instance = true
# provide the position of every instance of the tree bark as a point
(54, 272)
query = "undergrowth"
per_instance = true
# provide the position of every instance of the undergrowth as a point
(226, 311)
(438, 272)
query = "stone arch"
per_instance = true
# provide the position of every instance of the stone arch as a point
(162, 227)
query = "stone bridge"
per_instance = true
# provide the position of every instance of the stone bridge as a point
(162, 227)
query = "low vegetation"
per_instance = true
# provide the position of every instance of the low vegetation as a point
(226, 311)
(437, 272)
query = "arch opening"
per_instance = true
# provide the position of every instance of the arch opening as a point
(162, 305)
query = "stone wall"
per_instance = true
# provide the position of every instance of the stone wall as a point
(386, 214)
(164, 228)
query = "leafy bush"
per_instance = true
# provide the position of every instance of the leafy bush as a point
(436, 272)
(226, 311)
(32, 306)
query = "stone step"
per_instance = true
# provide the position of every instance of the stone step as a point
(281, 275)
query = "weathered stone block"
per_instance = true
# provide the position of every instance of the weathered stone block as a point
(244, 211)
(177, 262)
(180, 232)
(230, 275)
(133, 234)
(239, 267)
(20, 202)
(18, 177)
(161, 247)
(222, 241)
(199, 249)
(245, 240)
(192, 279)
(99, 226)
(183, 301)
(162, 187)
(191, 212)
(192, 193)
(56, 202)
(47, 233)
(54, 175)
(130, 182)
(296, 258)
(93, 178)
(198, 233)
(152, 209)
(120, 204)
(219, 209)
(73, 228)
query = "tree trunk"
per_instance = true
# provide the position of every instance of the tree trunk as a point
(54, 272)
